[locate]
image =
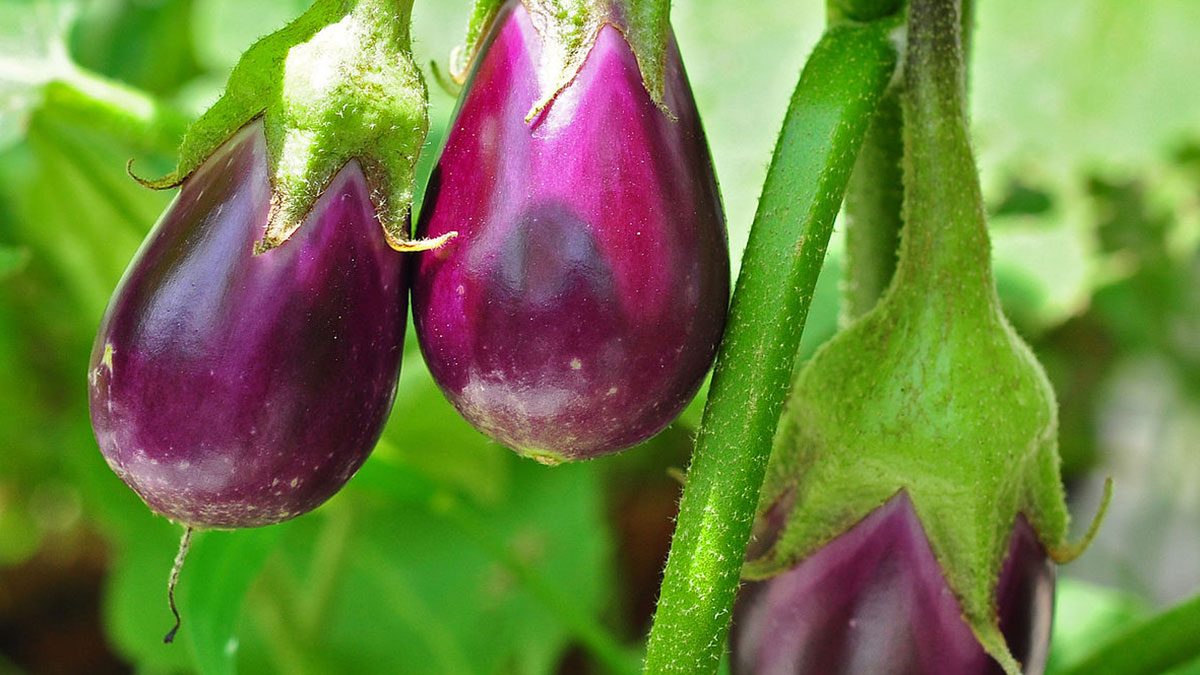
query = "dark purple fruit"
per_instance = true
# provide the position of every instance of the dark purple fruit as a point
(582, 302)
(874, 601)
(230, 389)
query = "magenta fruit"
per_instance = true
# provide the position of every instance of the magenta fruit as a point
(230, 389)
(583, 300)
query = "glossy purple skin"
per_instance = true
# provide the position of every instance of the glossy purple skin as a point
(245, 390)
(874, 602)
(581, 305)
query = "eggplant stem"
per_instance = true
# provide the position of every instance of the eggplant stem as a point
(185, 544)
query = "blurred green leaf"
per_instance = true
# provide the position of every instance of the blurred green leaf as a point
(12, 260)
(223, 29)
(135, 599)
(162, 57)
(1112, 633)
(217, 575)
(1043, 271)
(413, 575)
(1085, 615)
(1082, 86)
(427, 434)
(32, 52)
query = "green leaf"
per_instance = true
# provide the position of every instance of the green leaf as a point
(1044, 275)
(12, 260)
(32, 52)
(135, 599)
(1165, 642)
(223, 29)
(159, 61)
(1085, 615)
(424, 571)
(213, 585)
(216, 577)
(1121, 91)
(425, 433)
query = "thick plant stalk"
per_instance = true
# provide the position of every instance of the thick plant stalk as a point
(873, 202)
(828, 116)
(931, 393)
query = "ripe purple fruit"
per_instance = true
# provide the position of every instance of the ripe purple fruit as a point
(230, 389)
(875, 600)
(581, 305)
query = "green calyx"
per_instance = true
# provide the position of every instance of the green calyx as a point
(337, 84)
(931, 392)
(568, 29)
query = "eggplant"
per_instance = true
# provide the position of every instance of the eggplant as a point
(581, 304)
(874, 600)
(231, 388)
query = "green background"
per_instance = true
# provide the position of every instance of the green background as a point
(447, 553)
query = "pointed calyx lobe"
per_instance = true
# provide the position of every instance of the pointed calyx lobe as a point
(568, 30)
(337, 84)
(932, 392)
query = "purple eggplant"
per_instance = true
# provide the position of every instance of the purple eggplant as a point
(875, 601)
(581, 304)
(231, 389)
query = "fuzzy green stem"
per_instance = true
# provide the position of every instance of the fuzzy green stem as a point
(968, 30)
(874, 200)
(393, 15)
(875, 195)
(1156, 645)
(944, 247)
(829, 113)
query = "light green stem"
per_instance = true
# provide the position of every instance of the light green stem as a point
(824, 127)
(874, 200)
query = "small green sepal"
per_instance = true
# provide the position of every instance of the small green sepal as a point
(337, 84)
(568, 29)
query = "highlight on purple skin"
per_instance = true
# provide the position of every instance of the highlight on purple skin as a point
(234, 390)
(581, 304)
(874, 601)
